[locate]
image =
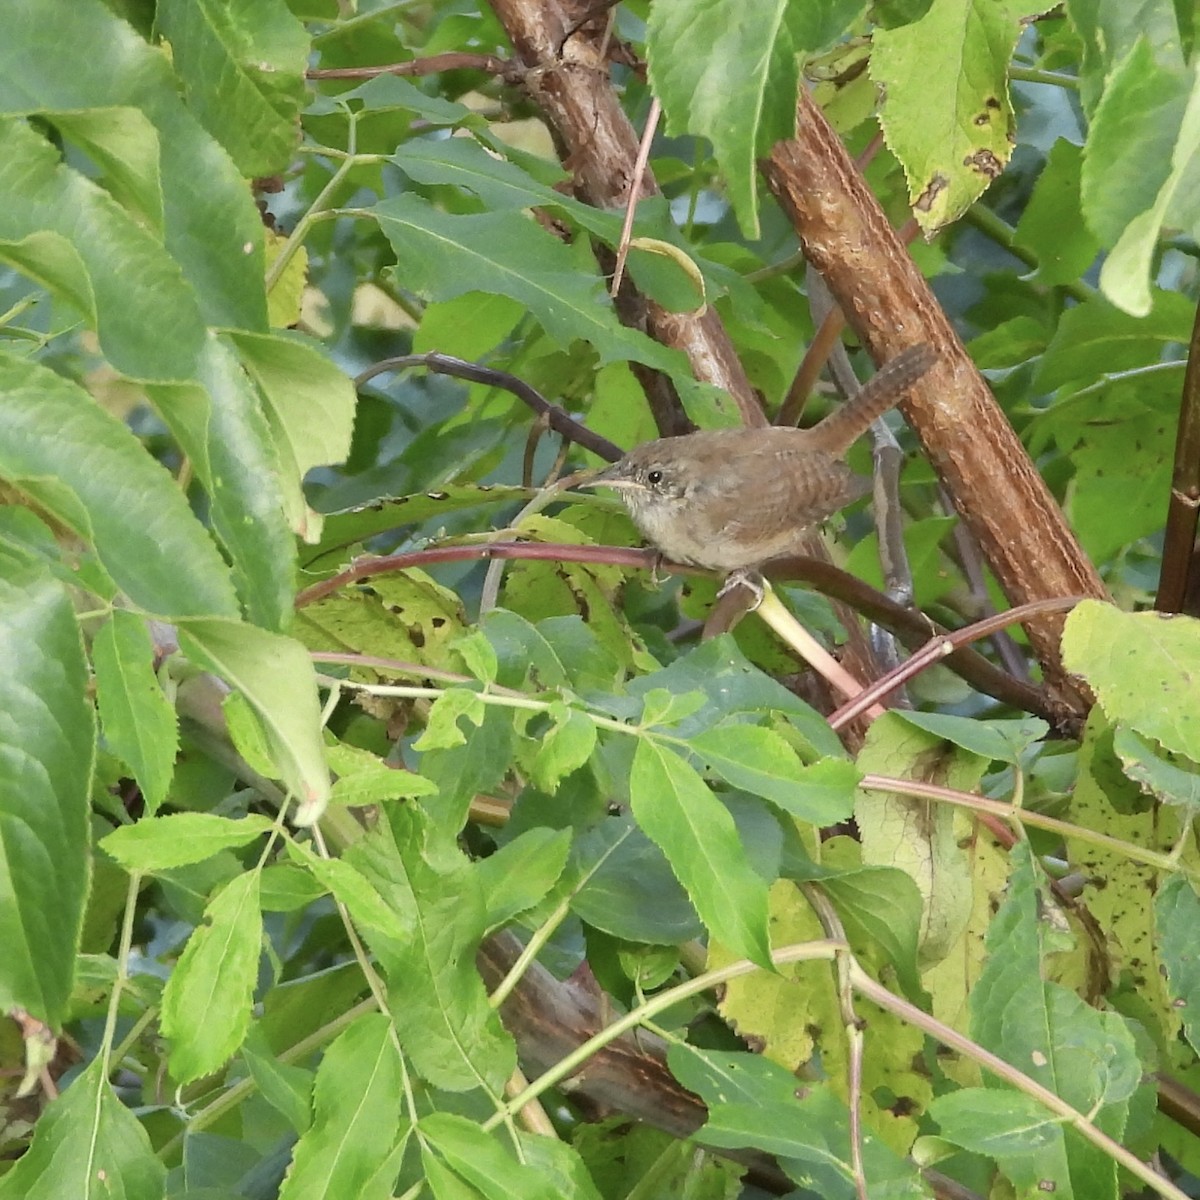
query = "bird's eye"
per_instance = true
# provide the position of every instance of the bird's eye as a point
(654, 477)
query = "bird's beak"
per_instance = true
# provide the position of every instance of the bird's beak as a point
(609, 477)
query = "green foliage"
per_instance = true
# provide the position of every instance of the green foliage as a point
(343, 877)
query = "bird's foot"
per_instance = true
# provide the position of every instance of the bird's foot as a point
(748, 578)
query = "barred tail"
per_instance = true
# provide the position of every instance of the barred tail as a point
(883, 391)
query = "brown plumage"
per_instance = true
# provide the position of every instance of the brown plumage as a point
(730, 499)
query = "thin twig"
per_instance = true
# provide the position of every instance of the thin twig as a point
(505, 68)
(635, 193)
(446, 364)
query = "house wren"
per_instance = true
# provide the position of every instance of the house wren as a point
(730, 499)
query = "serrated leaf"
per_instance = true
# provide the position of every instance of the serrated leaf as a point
(436, 997)
(995, 1123)
(309, 405)
(521, 873)
(1052, 227)
(220, 425)
(728, 70)
(285, 1087)
(174, 840)
(243, 74)
(442, 731)
(364, 778)
(663, 707)
(348, 526)
(628, 887)
(46, 756)
(139, 722)
(1176, 916)
(276, 677)
(564, 748)
(1143, 667)
(1000, 741)
(478, 1157)
(358, 1126)
(446, 255)
(116, 1159)
(214, 233)
(1173, 103)
(373, 915)
(206, 1003)
(678, 812)
(153, 332)
(761, 762)
(123, 501)
(1172, 778)
(946, 112)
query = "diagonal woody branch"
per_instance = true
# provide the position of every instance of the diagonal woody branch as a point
(970, 443)
(566, 76)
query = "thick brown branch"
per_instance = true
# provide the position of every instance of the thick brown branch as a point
(991, 479)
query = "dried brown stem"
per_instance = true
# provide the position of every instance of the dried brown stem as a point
(1179, 580)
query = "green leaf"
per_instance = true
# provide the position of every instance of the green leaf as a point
(214, 233)
(1089, 1058)
(1098, 332)
(446, 255)
(436, 997)
(883, 905)
(351, 525)
(1052, 227)
(115, 1159)
(521, 873)
(678, 812)
(46, 755)
(924, 840)
(442, 731)
(374, 916)
(720, 670)
(363, 778)
(139, 721)
(276, 677)
(1143, 667)
(359, 1128)
(761, 762)
(946, 112)
(728, 71)
(286, 1088)
(478, 1157)
(1173, 103)
(1172, 778)
(220, 424)
(564, 748)
(62, 230)
(1176, 917)
(206, 1003)
(813, 1129)
(1000, 741)
(160, 843)
(1000, 1124)
(663, 707)
(88, 470)
(243, 75)
(628, 888)
(478, 655)
(309, 406)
